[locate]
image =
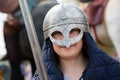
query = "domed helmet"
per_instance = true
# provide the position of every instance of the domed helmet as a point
(62, 19)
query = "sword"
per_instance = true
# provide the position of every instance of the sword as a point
(33, 40)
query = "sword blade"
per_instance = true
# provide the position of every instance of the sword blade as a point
(33, 40)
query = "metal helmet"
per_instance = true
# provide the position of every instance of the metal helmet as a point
(64, 18)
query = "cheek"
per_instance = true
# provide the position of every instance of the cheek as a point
(56, 48)
(79, 46)
(73, 49)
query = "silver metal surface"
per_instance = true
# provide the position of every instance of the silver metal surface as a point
(65, 31)
(61, 15)
(33, 40)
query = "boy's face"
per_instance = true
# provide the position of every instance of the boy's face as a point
(68, 53)
(66, 35)
(74, 49)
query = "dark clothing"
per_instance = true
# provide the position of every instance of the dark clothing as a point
(100, 65)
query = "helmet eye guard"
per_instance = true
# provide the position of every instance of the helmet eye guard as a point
(66, 35)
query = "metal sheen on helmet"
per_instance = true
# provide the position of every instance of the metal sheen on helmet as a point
(65, 17)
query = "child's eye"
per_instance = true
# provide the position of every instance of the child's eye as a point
(57, 35)
(74, 32)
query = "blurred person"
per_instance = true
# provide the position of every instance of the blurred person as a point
(69, 51)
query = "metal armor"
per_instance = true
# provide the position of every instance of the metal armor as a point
(63, 18)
